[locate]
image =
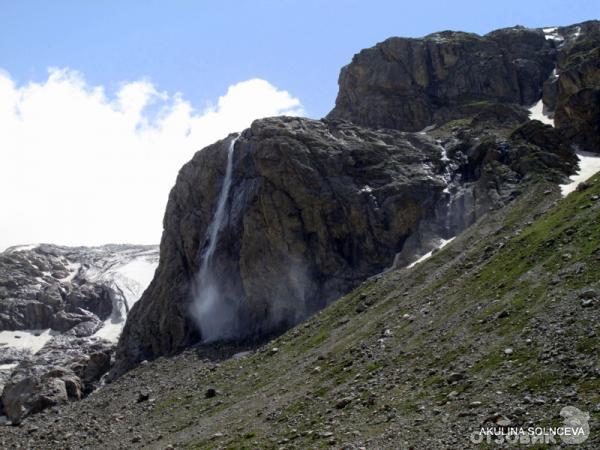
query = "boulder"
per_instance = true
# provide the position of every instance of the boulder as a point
(64, 370)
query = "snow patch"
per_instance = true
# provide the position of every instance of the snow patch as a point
(32, 340)
(444, 153)
(8, 367)
(552, 35)
(589, 164)
(111, 330)
(130, 279)
(537, 113)
(428, 128)
(442, 244)
(73, 269)
(21, 248)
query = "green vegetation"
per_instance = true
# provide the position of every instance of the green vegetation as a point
(493, 317)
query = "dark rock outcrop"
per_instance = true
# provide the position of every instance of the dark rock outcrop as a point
(409, 84)
(316, 207)
(574, 91)
(66, 369)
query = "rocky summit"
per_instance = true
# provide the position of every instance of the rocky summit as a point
(412, 84)
(403, 273)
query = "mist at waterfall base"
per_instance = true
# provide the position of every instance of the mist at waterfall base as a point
(218, 312)
(223, 316)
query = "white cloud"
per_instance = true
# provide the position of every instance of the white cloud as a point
(80, 168)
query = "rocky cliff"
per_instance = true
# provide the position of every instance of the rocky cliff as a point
(71, 289)
(308, 209)
(573, 91)
(316, 207)
(411, 84)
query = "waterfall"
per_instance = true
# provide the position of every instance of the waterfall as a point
(214, 315)
(217, 221)
(447, 176)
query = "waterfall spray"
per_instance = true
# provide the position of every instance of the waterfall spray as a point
(214, 315)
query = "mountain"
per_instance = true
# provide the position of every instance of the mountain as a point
(417, 266)
(61, 311)
(313, 208)
(499, 328)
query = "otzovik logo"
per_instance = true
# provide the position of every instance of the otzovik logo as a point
(576, 420)
(575, 430)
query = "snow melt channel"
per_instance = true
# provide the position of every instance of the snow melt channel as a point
(537, 113)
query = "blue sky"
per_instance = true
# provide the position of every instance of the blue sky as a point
(101, 102)
(200, 48)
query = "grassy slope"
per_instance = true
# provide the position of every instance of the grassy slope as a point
(387, 349)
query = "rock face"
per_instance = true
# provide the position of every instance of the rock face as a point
(33, 296)
(409, 84)
(51, 300)
(311, 208)
(66, 369)
(574, 91)
(61, 287)
(316, 207)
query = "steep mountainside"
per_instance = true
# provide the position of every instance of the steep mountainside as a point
(316, 207)
(419, 232)
(500, 328)
(61, 310)
(265, 228)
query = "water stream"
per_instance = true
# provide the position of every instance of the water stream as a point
(217, 221)
(214, 315)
